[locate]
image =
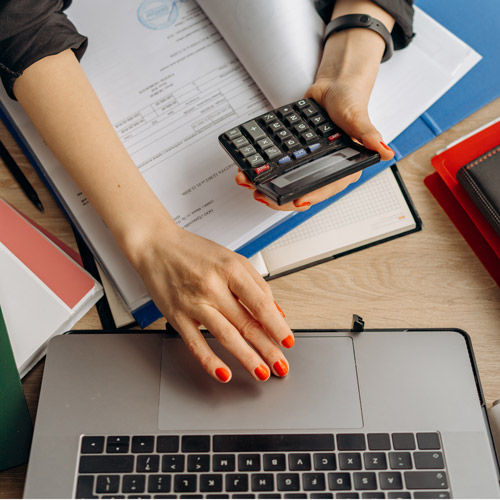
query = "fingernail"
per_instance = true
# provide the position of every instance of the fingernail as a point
(305, 204)
(262, 201)
(222, 374)
(262, 372)
(279, 309)
(288, 341)
(281, 368)
(244, 185)
(386, 146)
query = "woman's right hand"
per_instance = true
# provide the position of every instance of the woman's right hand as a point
(194, 281)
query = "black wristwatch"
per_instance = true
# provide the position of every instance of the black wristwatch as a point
(361, 21)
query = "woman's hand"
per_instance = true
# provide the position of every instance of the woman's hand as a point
(343, 85)
(194, 282)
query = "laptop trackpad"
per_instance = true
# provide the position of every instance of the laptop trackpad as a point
(320, 392)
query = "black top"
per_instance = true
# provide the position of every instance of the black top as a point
(33, 29)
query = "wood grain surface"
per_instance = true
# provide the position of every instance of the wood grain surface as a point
(427, 279)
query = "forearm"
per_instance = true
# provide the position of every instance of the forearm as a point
(63, 106)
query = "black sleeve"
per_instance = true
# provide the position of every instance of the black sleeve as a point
(400, 10)
(31, 30)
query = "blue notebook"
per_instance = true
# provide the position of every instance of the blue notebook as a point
(478, 28)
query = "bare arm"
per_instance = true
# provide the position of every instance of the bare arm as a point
(193, 281)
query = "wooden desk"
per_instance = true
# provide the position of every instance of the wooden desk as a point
(424, 280)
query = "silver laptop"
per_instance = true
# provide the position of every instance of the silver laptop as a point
(377, 414)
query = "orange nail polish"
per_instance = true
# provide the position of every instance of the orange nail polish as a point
(262, 372)
(244, 185)
(279, 309)
(262, 201)
(386, 146)
(222, 374)
(280, 368)
(288, 341)
(305, 204)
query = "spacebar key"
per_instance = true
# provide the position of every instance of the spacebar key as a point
(106, 463)
(273, 442)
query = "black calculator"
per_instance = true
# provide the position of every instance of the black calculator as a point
(293, 150)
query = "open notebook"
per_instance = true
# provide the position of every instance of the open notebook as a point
(171, 81)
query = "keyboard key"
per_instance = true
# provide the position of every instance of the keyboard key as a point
(253, 161)
(365, 481)
(247, 151)
(291, 119)
(375, 461)
(310, 111)
(233, 134)
(299, 153)
(172, 463)
(302, 103)
(372, 494)
(403, 441)
(400, 460)
(148, 463)
(350, 461)
(347, 495)
(184, 483)
(390, 480)
(379, 441)
(198, 463)
(85, 487)
(272, 152)
(273, 442)
(237, 482)
(159, 483)
(92, 444)
(274, 461)
(431, 494)
(117, 444)
(285, 159)
(334, 137)
(268, 117)
(288, 482)
(247, 462)
(321, 495)
(260, 170)
(294, 495)
(351, 442)
(134, 483)
(243, 496)
(275, 126)
(339, 481)
(299, 461)
(398, 494)
(428, 441)
(309, 136)
(210, 482)
(427, 480)
(143, 444)
(313, 147)
(223, 463)
(215, 497)
(428, 460)
(265, 143)
(317, 120)
(291, 143)
(240, 142)
(167, 444)
(107, 484)
(324, 461)
(300, 127)
(283, 135)
(106, 464)
(253, 130)
(285, 110)
(325, 129)
(115, 496)
(312, 481)
(262, 482)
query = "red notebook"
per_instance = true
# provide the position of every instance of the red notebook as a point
(455, 201)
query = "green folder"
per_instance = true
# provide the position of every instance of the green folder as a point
(16, 428)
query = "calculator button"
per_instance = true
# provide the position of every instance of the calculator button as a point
(313, 147)
(285, 159)
(317, 120)
(310, 111)
(259, 170)
(275, 126)
(268, 118)
(325, 129)
(240, 142)
(299, 153)
(247, 151)
(265, 143)
(272, 152)
(233, 134)
(285, 110)
(292, 119)
(303, 103)
(309, 136)
(300, 127)
(334, 137)
(283, 135)
(255, 132)
(291, 143)
(255, 160)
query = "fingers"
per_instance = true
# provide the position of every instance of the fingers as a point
(242, 180)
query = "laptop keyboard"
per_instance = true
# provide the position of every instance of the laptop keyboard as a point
(377, 465)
